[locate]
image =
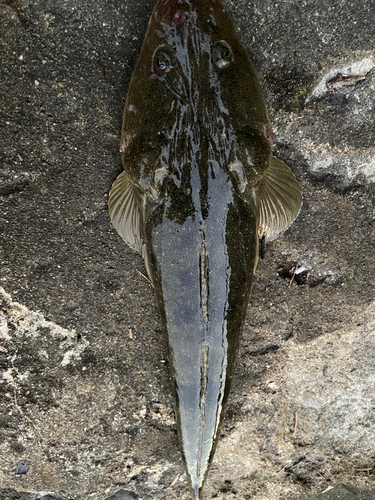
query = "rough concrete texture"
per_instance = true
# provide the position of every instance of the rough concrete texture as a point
(84, 392)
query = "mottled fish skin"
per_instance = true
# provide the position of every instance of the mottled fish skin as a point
(199, 187)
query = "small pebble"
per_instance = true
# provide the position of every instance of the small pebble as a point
(22, 468)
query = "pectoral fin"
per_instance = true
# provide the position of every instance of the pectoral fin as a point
(278, 199)
(125, 206)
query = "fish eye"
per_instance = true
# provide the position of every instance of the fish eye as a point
(222, 55)
(162, 61)
(161, 64)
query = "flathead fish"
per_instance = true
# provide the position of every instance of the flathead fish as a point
(200, 187)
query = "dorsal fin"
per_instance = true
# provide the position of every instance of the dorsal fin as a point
(125, 210)
(278, 199)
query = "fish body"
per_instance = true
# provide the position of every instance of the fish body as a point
(200, 187)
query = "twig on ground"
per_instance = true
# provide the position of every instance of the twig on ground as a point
(294, 273)
(295, 423)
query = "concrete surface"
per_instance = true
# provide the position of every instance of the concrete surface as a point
(84, 391)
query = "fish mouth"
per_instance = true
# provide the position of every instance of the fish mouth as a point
(176, 12)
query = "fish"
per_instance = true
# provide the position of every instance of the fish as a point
(199, 189)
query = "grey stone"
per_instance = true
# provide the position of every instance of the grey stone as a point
(21, 468)
(122, 495)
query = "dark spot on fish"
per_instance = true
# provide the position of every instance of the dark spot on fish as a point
(182, 206)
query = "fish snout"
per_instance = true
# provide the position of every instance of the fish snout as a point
(178, 12)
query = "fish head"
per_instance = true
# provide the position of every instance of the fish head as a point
(177, 56)
(193, 35)
(192, 73)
